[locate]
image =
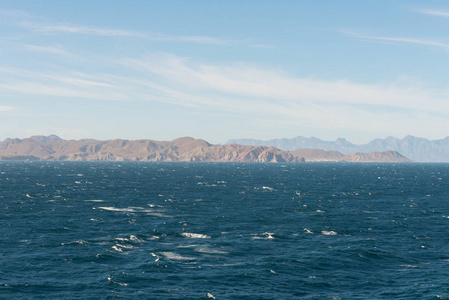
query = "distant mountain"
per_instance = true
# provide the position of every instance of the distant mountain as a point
(417, 149)
(317, 155)
(386, 156)
(45, 139)
(314, 155)
(182, 149)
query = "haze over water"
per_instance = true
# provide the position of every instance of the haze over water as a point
(82, 230)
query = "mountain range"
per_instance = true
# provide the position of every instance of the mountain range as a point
(415, 148)
(182, 149)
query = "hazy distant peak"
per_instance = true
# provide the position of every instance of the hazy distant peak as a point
(182, 140)
(45, 139)
(415, 148)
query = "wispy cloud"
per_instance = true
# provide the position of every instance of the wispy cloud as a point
(438, 13)
(247, 92)
(419, 41)
(260, 85)
(12, 14)
(87, 30)
(50, 50)
(81, 30)
(4, 108)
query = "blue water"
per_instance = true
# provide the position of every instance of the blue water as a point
(81, 230)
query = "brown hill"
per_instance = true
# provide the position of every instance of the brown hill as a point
(181, 149)
(317, 154)
(387, 156)
(321, 155)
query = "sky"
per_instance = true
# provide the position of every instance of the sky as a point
(220, 70)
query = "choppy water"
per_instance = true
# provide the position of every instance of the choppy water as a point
(78, 230)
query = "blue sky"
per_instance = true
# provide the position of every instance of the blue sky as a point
(221, 70)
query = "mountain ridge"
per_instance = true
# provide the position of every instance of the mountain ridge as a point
(181, 149)
(415, 148)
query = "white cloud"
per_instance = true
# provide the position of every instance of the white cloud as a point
(87, 30)
(419, 41)
(82, 30)
(260, 86)
(4, 108)
(439, 13)
(49, 49)
(249, 93)
(12, 14)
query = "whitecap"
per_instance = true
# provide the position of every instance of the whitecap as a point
(94, 200)
(267, 188)
(306, 230)
(80, 242)
(125, 246)
(210, 251)
(175, 256)
(187, 246)
(154, 255)
(209, 295)
(132, 210)
(111, 208)
(195, 235)
(121, 239)
(28, 196)
(269, 235)
(117, 249)
(116, 282)
(135, 238)
(328, 232)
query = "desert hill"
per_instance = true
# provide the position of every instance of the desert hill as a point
(321, 155)
(181, 149)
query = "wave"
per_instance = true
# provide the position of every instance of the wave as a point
(266, 236)
(324, 232)
(132, 209)
(210, 251)
(267, 188)
(195, 235)
(175, 256)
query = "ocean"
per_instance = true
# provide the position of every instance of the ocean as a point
(134, 230)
